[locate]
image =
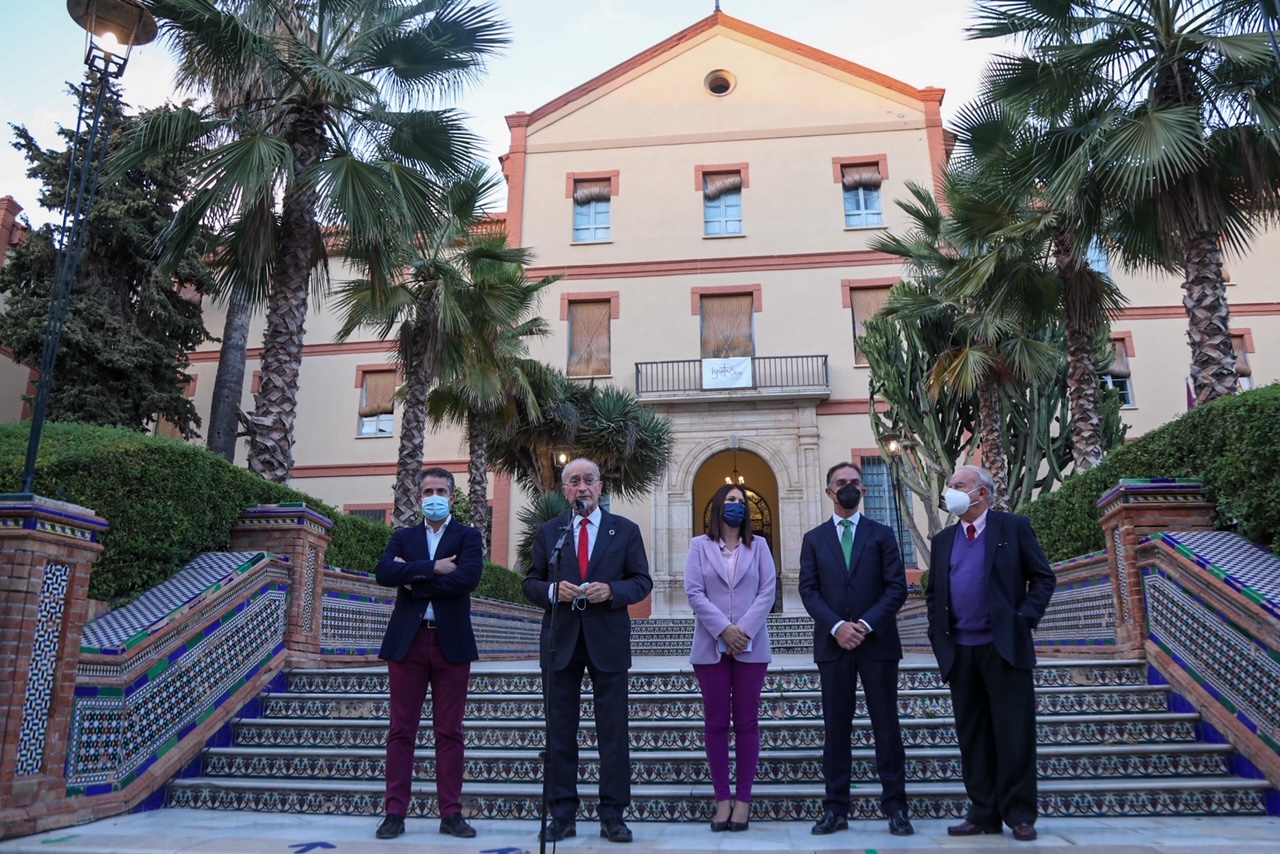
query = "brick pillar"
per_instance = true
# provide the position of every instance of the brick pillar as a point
(47, 550)
(1131, 512)
(299, 536)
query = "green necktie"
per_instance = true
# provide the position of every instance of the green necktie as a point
(846, 542)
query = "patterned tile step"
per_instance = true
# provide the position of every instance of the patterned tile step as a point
(677, 735)
(798, 705)
(1229, 796)
(1049, 674)
(671, 767)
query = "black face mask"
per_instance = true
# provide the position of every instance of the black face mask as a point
(849, 496)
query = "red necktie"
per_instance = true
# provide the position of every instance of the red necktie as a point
(973, 533)
(584, 548)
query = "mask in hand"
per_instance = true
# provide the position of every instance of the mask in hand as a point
(849, 496)
(733, 514)
(435, 507)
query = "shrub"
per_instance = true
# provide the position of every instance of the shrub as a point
(167, 501)
(1230, 445)
(498, 582)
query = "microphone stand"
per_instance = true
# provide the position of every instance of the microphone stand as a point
(548, 667)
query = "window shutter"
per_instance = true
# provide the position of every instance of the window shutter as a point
(379, 394)
(860, 175)
(866, 302)
(726, 326)
(589, 339)
(1242, 358)
(1120, 367)
(586, 192)
(715, 186)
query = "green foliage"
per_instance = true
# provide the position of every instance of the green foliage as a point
(166, 501)
(531, 517)
(501, 583)
(1231, 445)
(123, 354)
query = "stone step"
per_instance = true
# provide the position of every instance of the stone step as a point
(684, 735)
(693, 802)
(778, 705)
(1056, 762)
(679, 678)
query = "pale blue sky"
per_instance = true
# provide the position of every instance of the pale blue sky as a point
(556, 44)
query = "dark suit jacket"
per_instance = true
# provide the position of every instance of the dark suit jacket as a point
(619, 559)
(1019, 585)
(873, 589)
(449, 594)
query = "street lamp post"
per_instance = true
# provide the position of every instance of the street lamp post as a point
(112, 29)
(893, 444)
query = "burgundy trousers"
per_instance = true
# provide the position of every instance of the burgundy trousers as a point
(426, 667)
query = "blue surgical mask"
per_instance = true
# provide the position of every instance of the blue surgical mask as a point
(435, 507)
(733, 514)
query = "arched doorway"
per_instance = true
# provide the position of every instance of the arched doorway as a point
(753, 473)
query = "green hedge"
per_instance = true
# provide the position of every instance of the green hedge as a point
(498, 582)
(1232, 445)
(167, 501)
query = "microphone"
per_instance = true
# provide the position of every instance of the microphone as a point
(579, 507)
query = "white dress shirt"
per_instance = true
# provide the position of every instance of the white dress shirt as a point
(836, 519)
(433, 541)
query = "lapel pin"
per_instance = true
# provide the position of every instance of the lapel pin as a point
(611, 532)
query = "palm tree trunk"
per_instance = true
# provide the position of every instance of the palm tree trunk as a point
(271, 426)
(228, 386)
(413, 436)
(1213, 361)
(478, 474)
(1082, 378)
(991, 435)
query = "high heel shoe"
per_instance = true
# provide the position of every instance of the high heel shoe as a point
(721, 826)
(739, 826)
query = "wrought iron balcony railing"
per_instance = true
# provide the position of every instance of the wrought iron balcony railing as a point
(762, 373)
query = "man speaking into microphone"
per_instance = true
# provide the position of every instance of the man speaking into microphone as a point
(599, 572)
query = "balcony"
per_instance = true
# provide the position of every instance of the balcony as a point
(724, 379)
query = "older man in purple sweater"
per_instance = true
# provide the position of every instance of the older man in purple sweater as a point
(989, 585)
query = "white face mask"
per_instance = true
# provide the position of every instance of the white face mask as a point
(957, 502)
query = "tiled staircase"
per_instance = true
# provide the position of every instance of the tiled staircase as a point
(1108, 746)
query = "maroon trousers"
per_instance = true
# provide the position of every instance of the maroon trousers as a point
(426, 666)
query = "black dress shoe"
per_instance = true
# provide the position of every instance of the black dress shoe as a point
(558, 829)
(830, 823)
(968, 828)
(1024, 832)
(899, 824)
(719, 826)
(391, 827)
(456, 825)
(615, 830)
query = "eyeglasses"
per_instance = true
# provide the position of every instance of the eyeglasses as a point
(581, 480)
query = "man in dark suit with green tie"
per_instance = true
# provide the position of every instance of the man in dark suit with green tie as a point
(852, 583)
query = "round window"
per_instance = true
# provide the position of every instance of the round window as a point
(720, 82)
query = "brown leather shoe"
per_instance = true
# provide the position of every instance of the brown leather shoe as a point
(1025, 832)
(968, 828)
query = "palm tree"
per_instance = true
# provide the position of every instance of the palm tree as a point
(1011, 151)
(1181, 109)
(999, 292)
(488, 376)
(340, 139)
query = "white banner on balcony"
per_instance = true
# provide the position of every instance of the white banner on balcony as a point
(727, 373)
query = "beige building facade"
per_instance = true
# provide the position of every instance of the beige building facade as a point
(710, 205)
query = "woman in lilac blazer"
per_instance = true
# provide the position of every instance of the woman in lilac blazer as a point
(730, 580)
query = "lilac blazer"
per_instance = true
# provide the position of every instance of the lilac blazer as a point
(717, 605)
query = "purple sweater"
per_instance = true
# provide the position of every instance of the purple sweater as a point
(970, 611)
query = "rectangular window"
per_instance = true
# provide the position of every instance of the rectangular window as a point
(878, 504)
(1243, 369)
(380, 514)
(589, 339)
(1117, 376)
(727, 326)
(866, 303)
(863, 206)
(592, 209)
(722, 204)
(377, 403)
